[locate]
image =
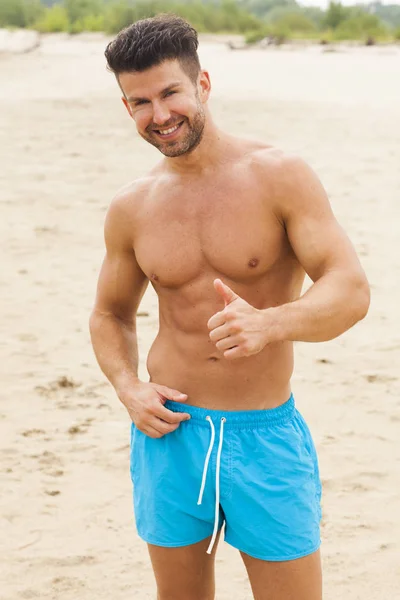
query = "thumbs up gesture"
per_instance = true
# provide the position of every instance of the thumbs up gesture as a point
(239, 329)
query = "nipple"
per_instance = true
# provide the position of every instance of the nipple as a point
(253, 262)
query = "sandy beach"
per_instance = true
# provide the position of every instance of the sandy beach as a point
(66, 146)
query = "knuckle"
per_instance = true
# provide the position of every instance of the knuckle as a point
(152, 409)
(235, 327)
(247, 351)
(171, 417)
(168, 427)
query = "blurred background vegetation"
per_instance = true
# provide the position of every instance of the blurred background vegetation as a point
(273, 20)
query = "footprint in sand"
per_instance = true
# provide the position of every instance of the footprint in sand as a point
(328, 439)
(373, 474)
(54, 387)
(33, 432)
(359, 487)
(55, 473)
(49, 463)
(380, 378)
(27, 337)
(81, 427)
(387, 546)
(45, 229)
(52, 492)
(74, 429)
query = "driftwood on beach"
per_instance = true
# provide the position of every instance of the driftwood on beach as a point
(274, 41)
(18, 41)
(269, 41)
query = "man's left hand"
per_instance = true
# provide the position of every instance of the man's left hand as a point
(240, 329)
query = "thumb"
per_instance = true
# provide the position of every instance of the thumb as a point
(223, 290)
(171, 394)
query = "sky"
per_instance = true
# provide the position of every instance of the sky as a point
(324, 3)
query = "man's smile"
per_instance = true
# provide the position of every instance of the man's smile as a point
(168, 133)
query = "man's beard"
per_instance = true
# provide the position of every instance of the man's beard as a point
(187, 142)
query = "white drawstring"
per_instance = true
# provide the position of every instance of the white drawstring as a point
(203, 482)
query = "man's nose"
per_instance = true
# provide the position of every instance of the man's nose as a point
(161, 113)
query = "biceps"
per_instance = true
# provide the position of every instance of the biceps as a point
(321, 245)
(316, 237)
(121, 286)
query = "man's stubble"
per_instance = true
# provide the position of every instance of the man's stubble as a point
(189, 142)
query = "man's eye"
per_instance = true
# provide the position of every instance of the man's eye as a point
(170, 93)
(140, 102)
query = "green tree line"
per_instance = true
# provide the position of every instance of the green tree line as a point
(257, 19)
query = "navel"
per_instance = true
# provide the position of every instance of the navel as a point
(253, 262)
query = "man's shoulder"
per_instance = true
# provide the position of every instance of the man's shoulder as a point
(282, 173)
(133, 193)
(125, 207)
(284, 178)
(271, 160)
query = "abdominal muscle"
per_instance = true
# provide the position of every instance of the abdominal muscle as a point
(190, 363)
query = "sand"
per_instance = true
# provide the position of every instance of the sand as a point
(66, 147)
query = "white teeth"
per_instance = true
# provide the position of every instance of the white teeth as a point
(168, 131)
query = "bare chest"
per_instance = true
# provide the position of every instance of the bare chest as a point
(227, 229)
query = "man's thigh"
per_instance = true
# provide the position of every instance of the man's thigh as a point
(185, 573)
(299, 579)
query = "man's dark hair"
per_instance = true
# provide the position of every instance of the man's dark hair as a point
(149, 42)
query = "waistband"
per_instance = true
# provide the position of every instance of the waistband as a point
(236, 418)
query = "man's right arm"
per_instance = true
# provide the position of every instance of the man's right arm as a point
(120, 289)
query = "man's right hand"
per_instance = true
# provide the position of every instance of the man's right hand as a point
(145, 405)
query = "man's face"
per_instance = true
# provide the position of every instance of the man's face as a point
(167, 107)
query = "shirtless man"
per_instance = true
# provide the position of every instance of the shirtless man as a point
(225, 229)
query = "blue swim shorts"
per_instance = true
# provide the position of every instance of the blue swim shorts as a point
(255, 470)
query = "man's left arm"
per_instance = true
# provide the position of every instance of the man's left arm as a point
(339, 296)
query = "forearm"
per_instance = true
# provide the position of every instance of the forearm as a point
(115, 346)
(330, 307)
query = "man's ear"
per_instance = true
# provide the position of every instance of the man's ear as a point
(127, 106)
(204, 85)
